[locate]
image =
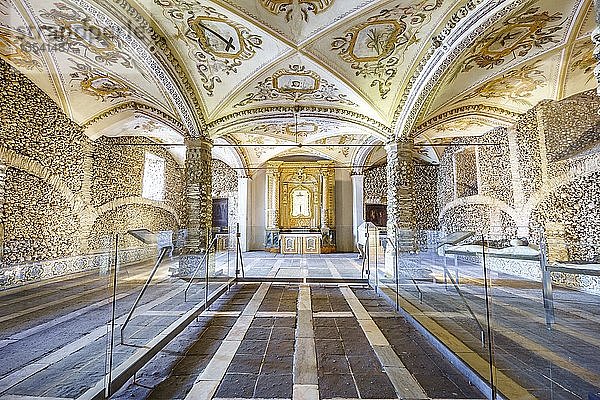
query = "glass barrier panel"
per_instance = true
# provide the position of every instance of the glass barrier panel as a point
(544, 299)
(54, 310)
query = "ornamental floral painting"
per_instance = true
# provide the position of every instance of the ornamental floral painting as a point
(375, 48)
(218, 44)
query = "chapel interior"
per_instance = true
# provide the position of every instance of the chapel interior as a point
(299, 199)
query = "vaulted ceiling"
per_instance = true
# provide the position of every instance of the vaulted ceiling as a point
(329, 74)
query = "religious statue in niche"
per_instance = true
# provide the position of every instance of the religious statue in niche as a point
(300, 203)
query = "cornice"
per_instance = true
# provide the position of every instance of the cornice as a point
(135, 106)
(502, 114)
(307, 111)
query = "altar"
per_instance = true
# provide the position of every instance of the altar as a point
(300, 212)
(300, 243)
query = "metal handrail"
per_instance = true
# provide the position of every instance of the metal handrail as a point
(159, 260)
(210, 246)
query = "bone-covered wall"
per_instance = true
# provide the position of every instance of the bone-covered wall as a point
(541, 178)
(64, 195)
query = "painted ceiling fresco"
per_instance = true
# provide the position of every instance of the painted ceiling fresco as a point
(541, 51)
(246, 69)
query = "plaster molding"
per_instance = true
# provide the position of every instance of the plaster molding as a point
(227, 123)
(141, 108)
(503, 116)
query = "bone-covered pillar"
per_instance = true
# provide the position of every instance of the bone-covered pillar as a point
(401, 223)
(198, 196)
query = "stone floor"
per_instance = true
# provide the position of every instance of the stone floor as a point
(557, 361)
(307, 341)
(299, 341)
(275, 265)
(55, 335)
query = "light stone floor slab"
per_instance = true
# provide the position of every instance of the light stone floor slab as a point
(208, 381)
(275, 314)
(305, 356)
(306, 392)
(405, 384)
(328, 314)
(221, 313)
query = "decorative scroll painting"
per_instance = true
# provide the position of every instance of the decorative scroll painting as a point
(375, 48)
(517, 85)
(583, 58)
(218, 44)
(517, 37)
(289, 8)
(97, 83)
(79, 34)
(20, 50)
(298, 84)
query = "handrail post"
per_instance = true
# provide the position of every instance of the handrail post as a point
(396, 274)
(488, 310)
(107, 389)
(195, 272)
(206, 278)
(161, 256)
(377, 261)
(546, 281)
(237, 239)
(366, 261)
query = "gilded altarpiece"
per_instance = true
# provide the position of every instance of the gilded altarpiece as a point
(300, 215)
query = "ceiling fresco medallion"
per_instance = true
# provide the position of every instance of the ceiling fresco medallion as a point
(516, 85)
(375, 48)
(289, 7)
(217, 44)
(583, 58)
(99, 84)
(75, 32)
(296, 80)
(217, 36)
(297, 84)
(302, 129)
(19, 51)
(515, 38)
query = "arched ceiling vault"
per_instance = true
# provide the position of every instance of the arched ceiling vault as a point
(330, 74)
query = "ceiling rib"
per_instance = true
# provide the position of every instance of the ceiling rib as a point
(243, 86)
(572, 37)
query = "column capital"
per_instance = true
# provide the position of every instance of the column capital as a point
(198, 143)
(402, 144)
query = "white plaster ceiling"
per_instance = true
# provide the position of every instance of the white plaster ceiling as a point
(186, 67)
